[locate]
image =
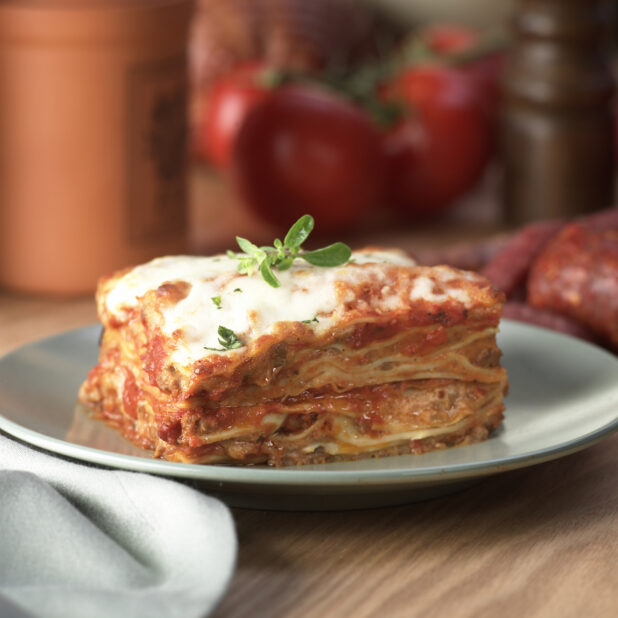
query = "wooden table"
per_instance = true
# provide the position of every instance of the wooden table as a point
(540, 542)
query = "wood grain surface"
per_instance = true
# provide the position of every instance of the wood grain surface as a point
(538, 542)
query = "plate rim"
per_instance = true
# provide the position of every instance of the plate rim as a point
(286, 476)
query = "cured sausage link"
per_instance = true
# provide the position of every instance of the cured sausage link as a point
(577, 276)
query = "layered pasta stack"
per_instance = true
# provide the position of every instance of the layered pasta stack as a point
(377, 357)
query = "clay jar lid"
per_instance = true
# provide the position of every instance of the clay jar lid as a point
(82, 21)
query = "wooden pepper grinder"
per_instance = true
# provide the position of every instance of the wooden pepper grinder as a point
(557, 130)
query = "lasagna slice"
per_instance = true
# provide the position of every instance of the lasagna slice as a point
(377, 357)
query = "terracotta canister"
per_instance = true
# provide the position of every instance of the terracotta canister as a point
(92, 138)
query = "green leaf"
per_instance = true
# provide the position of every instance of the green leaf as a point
(299, 232)
(333, 255)
(282, 255)
(228, 338)
(216, 301)
(249, 248)
(285, 263)
(246, 266)
(237, 290)
(314, 319)
(268, 274)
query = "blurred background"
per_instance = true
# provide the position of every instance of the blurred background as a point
(393, 123)
(135, 128)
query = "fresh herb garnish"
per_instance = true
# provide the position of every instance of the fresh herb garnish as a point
(282, 254)
(228, 339)
(314, 319)
(237, 290)
(217, 301)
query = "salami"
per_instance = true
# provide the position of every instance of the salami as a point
(576, 275)
(509, 267)
(602, 220)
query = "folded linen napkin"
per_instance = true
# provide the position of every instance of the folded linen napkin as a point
(78, 541)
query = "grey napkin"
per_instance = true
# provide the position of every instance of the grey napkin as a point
(77, 541)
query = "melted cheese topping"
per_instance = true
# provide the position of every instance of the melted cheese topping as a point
(250, 307)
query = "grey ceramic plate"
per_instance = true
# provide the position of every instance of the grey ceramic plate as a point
(563, 397)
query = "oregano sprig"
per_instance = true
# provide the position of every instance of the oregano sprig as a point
(282, 254)
(228, 340)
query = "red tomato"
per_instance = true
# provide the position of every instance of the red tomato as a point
(447, 38)
(485, 70)
(441, 150)
(225, 108)
(305, 151)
